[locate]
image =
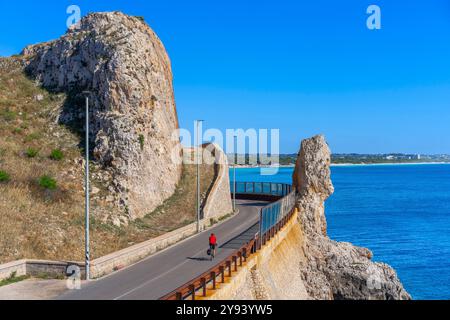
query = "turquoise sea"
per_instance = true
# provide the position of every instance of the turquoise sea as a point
(400, 212)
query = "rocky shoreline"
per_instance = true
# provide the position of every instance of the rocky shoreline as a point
(334, 270)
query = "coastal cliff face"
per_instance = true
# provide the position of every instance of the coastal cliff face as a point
(124, 65)
(304, 263)
(330, 269)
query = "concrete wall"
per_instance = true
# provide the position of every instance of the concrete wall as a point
(125, 257)
(219, 202)
(18, 267)
(37, 268)
(103, 265)
(106, 264)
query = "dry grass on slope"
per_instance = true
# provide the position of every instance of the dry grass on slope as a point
(48, 223)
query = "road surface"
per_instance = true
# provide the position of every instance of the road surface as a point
(169, 269)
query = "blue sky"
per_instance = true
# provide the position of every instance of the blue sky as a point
(304, 67)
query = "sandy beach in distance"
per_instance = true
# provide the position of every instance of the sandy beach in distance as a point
(385, 164)
(347, 164)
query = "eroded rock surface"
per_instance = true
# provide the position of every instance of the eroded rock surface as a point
(334, 270)
(124, 65)
(219, 202)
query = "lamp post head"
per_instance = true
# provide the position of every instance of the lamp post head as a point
(86, 93)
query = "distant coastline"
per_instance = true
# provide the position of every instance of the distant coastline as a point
(345, 164)
(385, 164)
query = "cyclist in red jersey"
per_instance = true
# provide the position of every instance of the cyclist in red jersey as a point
(212, 245)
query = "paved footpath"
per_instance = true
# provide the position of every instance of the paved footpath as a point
(171, 268)
(33, 289)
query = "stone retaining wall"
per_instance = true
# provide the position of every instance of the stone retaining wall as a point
(37, 268)
(125, 257)
(103, 265)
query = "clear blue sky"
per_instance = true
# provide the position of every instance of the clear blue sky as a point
(304, 67)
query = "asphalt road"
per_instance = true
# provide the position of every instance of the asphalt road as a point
(171, 268)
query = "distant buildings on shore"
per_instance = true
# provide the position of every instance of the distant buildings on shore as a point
(350, 158)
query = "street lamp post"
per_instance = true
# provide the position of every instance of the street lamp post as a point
(234, 174)
(198, 175)
(86, 186)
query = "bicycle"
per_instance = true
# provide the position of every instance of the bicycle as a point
(212, 251)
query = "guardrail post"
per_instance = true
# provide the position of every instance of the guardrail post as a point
(213, 277)
(235, 263)
(229, 268)
(192, 288)
(203, 281)
(178, 296)
(222, 273)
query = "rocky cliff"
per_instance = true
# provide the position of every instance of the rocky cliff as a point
(330, 269)
(304, 263)
(124, 65)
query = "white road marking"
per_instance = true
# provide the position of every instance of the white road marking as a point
(153, 279)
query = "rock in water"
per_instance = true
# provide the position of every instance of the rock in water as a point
(334, 270)
(312, 179)
(124, 65)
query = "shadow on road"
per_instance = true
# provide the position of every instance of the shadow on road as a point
(253, 204)
(243, 238)
(199, 259)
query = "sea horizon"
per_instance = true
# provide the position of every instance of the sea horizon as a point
(399, 212)
(347, 164)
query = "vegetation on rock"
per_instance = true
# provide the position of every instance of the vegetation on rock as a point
(56, 155)
(47, 182)
(4, 176)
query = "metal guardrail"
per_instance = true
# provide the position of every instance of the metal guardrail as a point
(267, 188)
(215, 275)
(272, 219)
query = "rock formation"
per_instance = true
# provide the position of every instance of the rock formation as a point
(304, 263)
(218, 203)
(124, 65)
(333, 270)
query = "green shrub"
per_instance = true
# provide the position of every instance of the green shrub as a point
(47, 182)
(140, 18)
(4, 176)
(141, 141)
(8, 115)
(31, 153)
(13, 278)
(17, 130)
(32, 136)
(57, 155)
